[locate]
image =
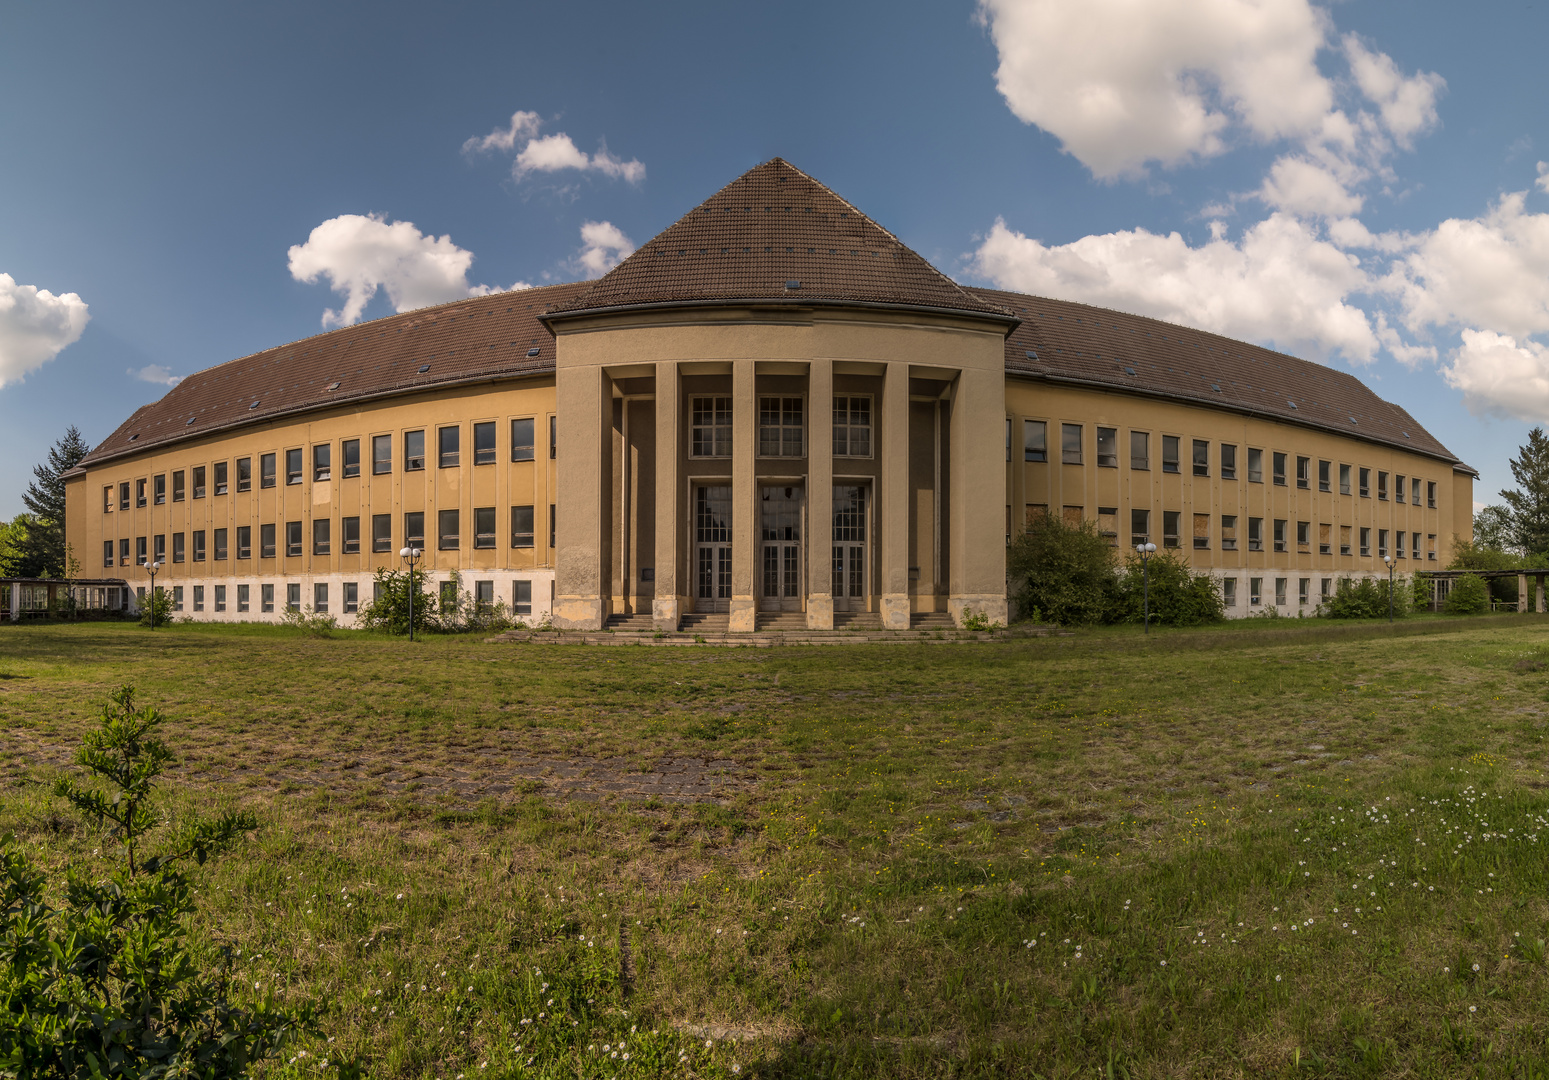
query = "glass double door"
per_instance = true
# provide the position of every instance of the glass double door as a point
(712, 548)
(780, 555)
(849, 548)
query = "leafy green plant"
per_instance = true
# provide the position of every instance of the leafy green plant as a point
(1064, 571)
(1468, 596)
(310, 622)
(1178, 596)
(459, 612)
(1367, 599)
(389, 610)
(106, 984)
(156, 608)
(978, 620)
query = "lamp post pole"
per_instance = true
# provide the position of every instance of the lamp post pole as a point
(410, 555)
(1145, 551)
(153, 567)
(1389, 560)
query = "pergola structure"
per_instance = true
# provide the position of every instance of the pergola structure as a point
(1540, 603)
(40, 596)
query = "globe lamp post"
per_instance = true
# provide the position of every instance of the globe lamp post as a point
(153, 567)
(410, 555)
(1145, 551)
(1389, 560)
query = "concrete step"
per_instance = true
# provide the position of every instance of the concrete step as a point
(638, 622)
(782, 620)
(705, 623)
(931, 620)
(857, 620)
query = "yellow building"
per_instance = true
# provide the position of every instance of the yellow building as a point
(772, 410)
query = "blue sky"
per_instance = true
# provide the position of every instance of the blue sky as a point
(1357, 183)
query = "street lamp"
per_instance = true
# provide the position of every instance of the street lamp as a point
(1146, 551)
(410, 555)
(153, 567)
(1389, 560)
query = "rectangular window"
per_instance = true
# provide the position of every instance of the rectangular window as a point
(1303, 534)
(1344, 479)
(553, 437)
(177, 547)
(244, 597)
(1366, 541)
(1035, 440)
(484, 443)
(1325, 539)
(1279, 534)
(381, 454)
(414, 530)
(483, 595)
(448, 536)
(1280, 584)
(107, 499)
(292, 539)
(780, 427)
(1169, 453)
(177, 598)
(1382, 543)
(1382, 485)
(1430, 494)
(266, 597)
(1325, 481)
(448, 596)
(1255, 591)
(1228, 532)
(1170, 528)
(449, 441)
(1229, 592)
(244, 474)
(320, 597)
(1074, 515)
(293, 596)
(1366, 478)
(293, 473)
(1139, 526)
(221, 552)
(1303, 591)
(198, 597)
(553, 525)
(1228, 461)
(140, 558)
(1255, 534)
(1398, 490)
(322, 462)
(1430, 547)
(123, 495)
(244, 541)
(322, 539)
(1255, 465)
(521, 439)
(1107, 448)
(139, 493)
(1108, 524)
(199, 481)
(220, 598)
(349, 535)
(413, 451)
(1326, 588)
(521, 526)
(159, 489)
(521, 598)
(266, 471)
(351, 597)
(1344, 539)
(381, 532)
(1201, 532)
(484, 527)
(1008, 438)
(1277, 463)
(123, 552)
(1070, 444)
(1140, 450)
(221, 477)
(179, 488)
(350, 452)
(1201, 457)
(709, 427)
(1414, 545)
(107, 553)
(159, 544)
(199, 548)
(1304, 473)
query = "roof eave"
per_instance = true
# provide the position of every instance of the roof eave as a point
(1009, 321)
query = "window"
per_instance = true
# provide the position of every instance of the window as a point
(1303, 534)
(780, 427)
(1035, 440)
(123, 552)
(1108, 524)
(1430, 547)
(179, 491)
(1201, 457)
(221, 552)
(1140, 450)
(554, 437)
(1430, 494)
(322, 541)
(351, 597)
(1229, 592)
(159, 543)
(1326, 588)
(1255, 465)
(293, 474)
(244, 474)
(1382, 543)
(322, 462)
(1277, 462)
(140, 558)
(1325, 539)
(381, 454)
(1366, 478)
(1366, 541)
(552, 527)
(1070, 444)
(1107, 448)
(483, 595)
(107, 499)
(1303, 591)
(293, 596)
(1169, 453)
(1170, 528)
(159, 489)
(1139, 526)
(199, 549)
(244, 597)
(484, 443)
(350, 452)
(266, 597)
(1398, 490)
(1008, 438)
(1201, 532)
(1228, 461)
(447, 527)
(1228, 532)
(1414, 545)
(266, 471)
(413, 451)
(1344, 539)
(521, 526)
(1280, 584)
(448, 596)
(709, 427)
(1324, 481)
(244, 541)
(177, 598)
(521, 439)
(1279, 534)
(139, 493)
(320, 597)
(1255, 591)
(292, 539)
(1382, 485)
(177, 547)
(349, 535)
(484, 527)
(1074, 515)
(381, 532)
(107, 553)
(220, 598)
(198, 597)
(123, 495)
(414, 530)
(221, 472)
(521, 598)
(449, 441)
(1255, 534)
(1304, 473)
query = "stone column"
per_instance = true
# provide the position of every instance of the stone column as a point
(977, 512)
(584, 459)
(893, 506)
(820, 495)
(667, 605)
(16, 602)
(1538, 591)
(744, 496)
(1521, 593)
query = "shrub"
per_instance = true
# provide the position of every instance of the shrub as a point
(1063, 571)
(389, 611)
(1179, 597)
(106, 984)
(464, 614)
(1367, 599)
(156, 609)
(310, 622)
(1468, 596)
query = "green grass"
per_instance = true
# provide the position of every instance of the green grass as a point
(1276, 850)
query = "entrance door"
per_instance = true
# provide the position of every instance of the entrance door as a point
(780, 555)
(850, 576)
(712, 549)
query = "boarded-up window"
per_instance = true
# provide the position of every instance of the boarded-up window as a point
(1201, 531)
(1108, 523)
(1074, 514)
(1228, 532)
(1344, 539)
(1325, 539)
(1034, 512)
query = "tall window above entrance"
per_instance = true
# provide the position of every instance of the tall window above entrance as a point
(852, 427)
(710, 433)
(780, 429)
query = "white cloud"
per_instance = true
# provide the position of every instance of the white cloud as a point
(159, 374)
(1407, 103)
(35, 325)
(554, 153)
(359, 254)
(1281, 283)
(1308, 188)
(1543, 176)
(487, 290)
(524, 125)
(1500, 376)
(603, 246)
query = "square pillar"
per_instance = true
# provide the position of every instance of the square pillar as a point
(1521, 593)
(16, 602)
(976, 522)
(666, 604)
(1538, 590)
(820, 495)
(744, 498)
(893, 507)
(584, 460)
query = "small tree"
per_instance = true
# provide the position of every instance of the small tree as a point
(156, 609)
(1179, 596)
(1468, 596)
(106, 985)
(389, 611)
(43, 544)
(1063, 572)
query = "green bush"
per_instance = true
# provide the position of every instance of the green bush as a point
(1179, 596)
(458, 612)
(156, 608)
(1468, 596)
(389, 610)
(1063, 571)
(106, 984)
(1368, 599)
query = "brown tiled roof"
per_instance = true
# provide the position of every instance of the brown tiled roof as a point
(465, 341)
(776, 235)
(1069, 342)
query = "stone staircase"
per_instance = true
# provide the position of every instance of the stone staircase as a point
(637, 623)
(773, 629)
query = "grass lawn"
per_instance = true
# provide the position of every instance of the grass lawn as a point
(1277, 850)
